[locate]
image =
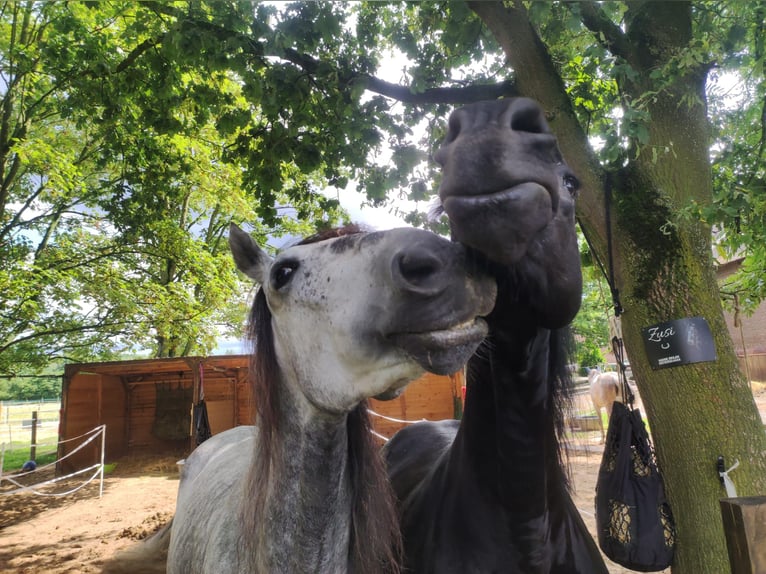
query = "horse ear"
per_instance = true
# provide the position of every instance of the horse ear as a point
(250, 259)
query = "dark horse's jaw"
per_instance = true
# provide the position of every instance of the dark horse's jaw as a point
(517, 215)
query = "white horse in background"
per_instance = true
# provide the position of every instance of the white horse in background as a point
(605, 388)
(336, 320)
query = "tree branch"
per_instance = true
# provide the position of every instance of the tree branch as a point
(452, 95)
(136, 52)
(75, 329)
(606, 32)
(447, 95)
(6, 230)
(311, 65)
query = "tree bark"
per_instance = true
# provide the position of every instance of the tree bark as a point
(664, 268)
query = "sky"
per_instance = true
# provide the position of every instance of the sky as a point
(377, 217)
(390, 70)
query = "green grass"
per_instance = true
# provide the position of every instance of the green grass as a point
(18, 437)
(15, 459)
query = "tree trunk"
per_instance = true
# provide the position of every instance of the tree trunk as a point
(666, 271)
(698, 411)
(664, 268)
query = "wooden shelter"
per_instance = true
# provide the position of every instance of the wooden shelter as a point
(747, 330)
(146, 405)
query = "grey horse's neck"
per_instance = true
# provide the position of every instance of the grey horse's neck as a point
(305, 523)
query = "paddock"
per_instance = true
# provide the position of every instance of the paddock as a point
(79, 532)
(146, 404)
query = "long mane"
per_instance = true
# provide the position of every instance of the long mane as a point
(375, 546)
(561, 385)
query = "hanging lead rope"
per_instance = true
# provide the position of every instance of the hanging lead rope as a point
(615, 323)
(202, 430)
(607, 273)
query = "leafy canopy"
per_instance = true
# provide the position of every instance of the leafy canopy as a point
(133, 133)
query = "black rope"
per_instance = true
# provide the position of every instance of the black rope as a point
(619, 354)
(608, 274)
(617, 345)
(593, 253)
(618, 310)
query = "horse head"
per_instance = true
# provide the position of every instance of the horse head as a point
(364, 314)
(510, 196)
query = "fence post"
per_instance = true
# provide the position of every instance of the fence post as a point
(33, 448)
(743, 525)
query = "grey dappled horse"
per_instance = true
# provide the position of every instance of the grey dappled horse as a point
(334, 322)
(489, 494)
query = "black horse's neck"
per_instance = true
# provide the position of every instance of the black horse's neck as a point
(508, 435)
(495, 500)
(507, 425)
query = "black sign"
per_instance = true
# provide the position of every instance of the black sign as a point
(679, 342)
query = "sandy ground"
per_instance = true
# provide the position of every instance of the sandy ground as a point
(75, 534)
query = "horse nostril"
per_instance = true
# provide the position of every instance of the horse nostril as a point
(527, 116)
(416, 270)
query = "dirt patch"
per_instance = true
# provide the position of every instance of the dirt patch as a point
(76, 533)
(147, 527)
(21, 507)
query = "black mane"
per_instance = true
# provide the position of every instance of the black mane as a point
(561, 391)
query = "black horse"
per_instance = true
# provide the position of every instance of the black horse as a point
(491, 494)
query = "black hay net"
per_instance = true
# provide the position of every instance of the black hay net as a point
(172, 415)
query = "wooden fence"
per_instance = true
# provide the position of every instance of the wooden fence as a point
(754, 367)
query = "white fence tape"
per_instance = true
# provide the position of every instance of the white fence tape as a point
(393, 420)
(90, 436)
(380, 436)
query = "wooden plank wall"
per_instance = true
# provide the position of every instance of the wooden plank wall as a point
(142, 411)
(90, 400)
(220, 398)
(113, 413)
(222, 389)
(127, 403)
(431, 397)
(245, 401)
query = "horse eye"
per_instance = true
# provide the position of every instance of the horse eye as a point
(572, 184)
(281, 275)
